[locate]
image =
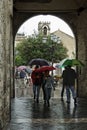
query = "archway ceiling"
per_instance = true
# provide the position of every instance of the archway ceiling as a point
(52, 6)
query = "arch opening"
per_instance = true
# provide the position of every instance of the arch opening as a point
(30, 27)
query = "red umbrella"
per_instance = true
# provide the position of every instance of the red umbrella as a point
(45, 68)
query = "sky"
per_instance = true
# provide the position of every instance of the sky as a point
(31, 25)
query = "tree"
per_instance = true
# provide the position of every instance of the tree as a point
(33, 47)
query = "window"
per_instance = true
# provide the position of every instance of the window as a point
(45, 31)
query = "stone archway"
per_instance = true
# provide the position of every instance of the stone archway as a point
(55, 17)
(46, 24)
(74, 12)
(72, 20)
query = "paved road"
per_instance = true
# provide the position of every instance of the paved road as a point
(26, 114)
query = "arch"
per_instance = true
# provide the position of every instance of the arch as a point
(44, 26)
(69, 12)
(19, 20)
(62, 18)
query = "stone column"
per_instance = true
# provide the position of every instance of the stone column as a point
(82, 53)
(6, 56)
(79, 25)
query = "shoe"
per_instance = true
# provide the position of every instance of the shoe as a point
(48, 103)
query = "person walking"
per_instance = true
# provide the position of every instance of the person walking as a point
(62, 92)
(22, 76)
(69, 75)
(43, 87)
(48, 84)
(63, 88)
(36, 80)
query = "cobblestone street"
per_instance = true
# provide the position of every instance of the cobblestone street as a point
(26, 114)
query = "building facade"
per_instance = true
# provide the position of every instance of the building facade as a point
(67, 40)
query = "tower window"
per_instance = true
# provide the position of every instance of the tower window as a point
(45, 31)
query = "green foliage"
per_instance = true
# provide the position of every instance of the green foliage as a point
(18, 60)
(33, 47)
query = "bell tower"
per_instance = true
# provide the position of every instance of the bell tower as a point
(44, 28)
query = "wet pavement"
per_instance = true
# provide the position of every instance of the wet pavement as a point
(26, 114)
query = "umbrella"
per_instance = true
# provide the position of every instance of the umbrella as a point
(72, 62)
(45, 68)
(28, 70)
(21, 67)
(39, 61)
(59, 65)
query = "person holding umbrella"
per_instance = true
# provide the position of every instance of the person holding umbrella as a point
(36, 80)
(69, 75)
(47, 81)
(63, 87)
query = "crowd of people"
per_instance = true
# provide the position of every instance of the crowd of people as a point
(45, 81)
(25, 77)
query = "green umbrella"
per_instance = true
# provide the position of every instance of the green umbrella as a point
(72, 62)
(59, 65)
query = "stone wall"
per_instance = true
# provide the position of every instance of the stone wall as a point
(68, 42)
(78, 24)
(82, 52)
(6, 58)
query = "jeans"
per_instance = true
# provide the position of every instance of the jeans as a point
(72, 89)
(44, 92)
(62, 91)
(48, 93)
(36, 91)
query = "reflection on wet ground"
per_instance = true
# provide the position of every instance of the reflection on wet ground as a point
(28, 115)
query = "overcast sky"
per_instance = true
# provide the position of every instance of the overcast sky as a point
(56, 23)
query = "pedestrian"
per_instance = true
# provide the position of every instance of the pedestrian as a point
(17, 74)
(22, 76)
(63, 88)
(43, 87)
(36, 80)
(62, 92)
(29, 80)
(69, 75)
(49, 84)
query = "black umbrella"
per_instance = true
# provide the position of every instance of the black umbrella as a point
(39, 61)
